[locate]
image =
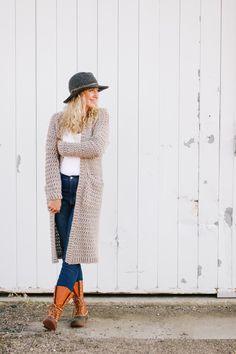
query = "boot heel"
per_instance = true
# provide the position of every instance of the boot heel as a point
(80, 314)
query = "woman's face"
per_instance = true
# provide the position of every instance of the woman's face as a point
(91, 97)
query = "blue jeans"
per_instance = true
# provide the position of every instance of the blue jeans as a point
(70, 273)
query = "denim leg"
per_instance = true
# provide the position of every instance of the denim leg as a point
(61, 220)
(70, 273)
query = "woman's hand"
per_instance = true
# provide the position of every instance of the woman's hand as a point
(54, 206)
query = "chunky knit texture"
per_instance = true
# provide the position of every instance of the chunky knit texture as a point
(84, 234)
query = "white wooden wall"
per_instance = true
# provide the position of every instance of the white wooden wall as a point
(169, 204)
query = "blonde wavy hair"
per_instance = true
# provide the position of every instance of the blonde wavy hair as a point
(74, 117)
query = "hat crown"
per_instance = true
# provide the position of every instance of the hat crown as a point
(81, 79)
(80, 82)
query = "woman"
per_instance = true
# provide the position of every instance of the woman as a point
(76, 141)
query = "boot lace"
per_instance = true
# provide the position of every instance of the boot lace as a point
(80, 307)
(54, 311)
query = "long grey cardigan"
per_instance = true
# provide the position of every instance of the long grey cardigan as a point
(84, 234)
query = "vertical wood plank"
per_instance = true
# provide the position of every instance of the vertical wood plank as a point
(209, 144)
(188, 143)
(26, 137)
(128, 145)
(46, 106)
(148, 168)
(87, 36)
(226, 274)
(107, 75)
(87, 61)
(8, 220)
(66, 47)
(168, 135)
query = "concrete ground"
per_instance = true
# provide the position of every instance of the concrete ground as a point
(122, 324)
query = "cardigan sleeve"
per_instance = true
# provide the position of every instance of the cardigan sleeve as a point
(94, 146)
(52, 162)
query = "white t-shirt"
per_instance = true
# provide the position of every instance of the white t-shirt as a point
(70, 165)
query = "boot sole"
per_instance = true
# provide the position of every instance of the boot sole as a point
(50, 325)
(75, 323)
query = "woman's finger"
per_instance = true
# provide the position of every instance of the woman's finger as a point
(54, 210)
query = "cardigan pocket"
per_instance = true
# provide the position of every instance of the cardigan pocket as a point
(92, 196)
(96, 180)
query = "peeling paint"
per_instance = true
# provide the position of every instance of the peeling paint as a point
(235, 145)
(219, 262)
(117, 241)
(198, 97)
(18, 161)
(117, 238)
(211, 139)
(183, 281)
(198, 108)
(228, 216)
(188, 143)
(199, 270)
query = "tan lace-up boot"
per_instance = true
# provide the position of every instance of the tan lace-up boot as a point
(62, 296)
(80, 313)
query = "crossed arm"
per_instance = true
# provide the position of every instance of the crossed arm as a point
(94, 146)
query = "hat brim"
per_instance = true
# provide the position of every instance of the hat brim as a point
(76, 92)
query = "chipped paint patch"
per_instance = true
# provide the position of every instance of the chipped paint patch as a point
(183, 281)
(228, 217)
(205, 182)
(18, 161)
(188, 143)
(216, 223)
(211, 139)
(235, 145)
(199, 270)
(196, 206)
(219, 262)
(117, 238)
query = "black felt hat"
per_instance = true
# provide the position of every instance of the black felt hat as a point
(82, 81)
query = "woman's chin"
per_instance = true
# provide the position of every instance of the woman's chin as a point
(93, 105)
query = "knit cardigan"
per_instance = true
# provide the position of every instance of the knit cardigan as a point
(84, 233)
